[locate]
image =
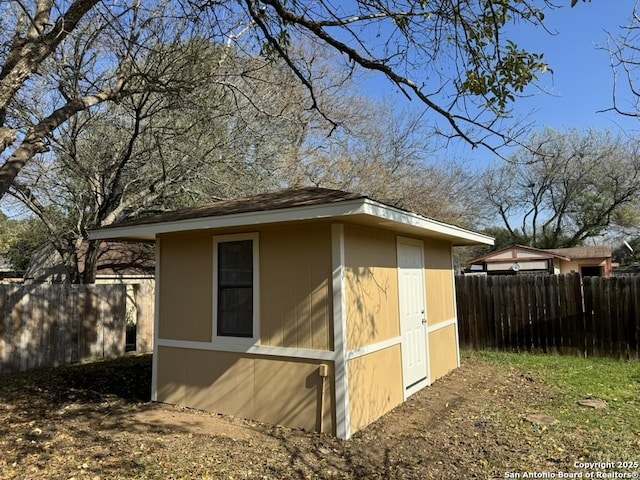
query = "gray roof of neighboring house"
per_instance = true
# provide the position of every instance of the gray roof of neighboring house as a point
(576, 253)
(488, 257)
(115, 259)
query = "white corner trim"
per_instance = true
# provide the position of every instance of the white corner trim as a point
(343, 422)
(156, 327)
(440, 325)
(455, 305)
(373, 348)
(298, 353)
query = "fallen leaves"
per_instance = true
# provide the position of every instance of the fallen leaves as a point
(467, 425)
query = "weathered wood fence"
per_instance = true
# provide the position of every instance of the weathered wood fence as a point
(44, 325)
(563, 314)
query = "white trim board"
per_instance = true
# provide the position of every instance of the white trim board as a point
(156, 327)
(299, 353)
(455, 308)
(373, 348)
(397, 216)
(387, 216)
(440, 325)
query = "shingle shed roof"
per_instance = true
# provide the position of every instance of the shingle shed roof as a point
(287, 198)
(289, 205)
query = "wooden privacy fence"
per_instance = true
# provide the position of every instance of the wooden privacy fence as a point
(45, 325)
(564, 314)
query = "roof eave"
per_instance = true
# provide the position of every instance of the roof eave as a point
(457, 235)
(388, 216)
(544, 254)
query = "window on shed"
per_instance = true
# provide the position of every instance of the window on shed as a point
(235, 295)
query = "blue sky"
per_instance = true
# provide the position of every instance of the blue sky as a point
(581, 85)
(582, 80)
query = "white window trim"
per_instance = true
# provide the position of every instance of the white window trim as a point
(222, 341)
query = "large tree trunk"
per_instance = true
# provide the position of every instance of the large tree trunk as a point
(29, 49)
(91, 261)
(33, 143)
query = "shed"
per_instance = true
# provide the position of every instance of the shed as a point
(311, 308)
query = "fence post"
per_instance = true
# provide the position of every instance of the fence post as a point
(589, 337)
(635, 328)
(145, 305)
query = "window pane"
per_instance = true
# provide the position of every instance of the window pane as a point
(235, 312)
(235, 263)
(235, 289)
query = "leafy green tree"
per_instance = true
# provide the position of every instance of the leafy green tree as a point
(6, 234)
(26, 236)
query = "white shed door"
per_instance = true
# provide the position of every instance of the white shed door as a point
(412, 315)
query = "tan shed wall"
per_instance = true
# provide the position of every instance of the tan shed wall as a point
(440, 294)
(371, 281)
(186, 285)
(295, 287)
(375, 386)
(274, 390)
(443, 352)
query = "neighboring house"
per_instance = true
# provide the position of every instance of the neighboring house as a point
(518, 259)
(7, 273)
(310, 308)
(118, 263)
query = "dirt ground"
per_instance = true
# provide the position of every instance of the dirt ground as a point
(94, 422)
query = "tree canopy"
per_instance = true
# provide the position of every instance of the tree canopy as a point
(452, 56)
(566, 188)
(239, 124)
